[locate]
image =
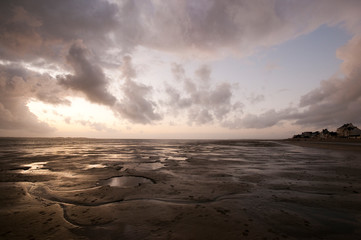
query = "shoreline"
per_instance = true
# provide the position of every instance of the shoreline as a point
(330, 144)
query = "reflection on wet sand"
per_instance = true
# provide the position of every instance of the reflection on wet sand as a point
(90, 166)
(35, 165)
(146, 189)
(126, 181)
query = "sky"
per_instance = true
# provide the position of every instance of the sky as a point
(231, 69)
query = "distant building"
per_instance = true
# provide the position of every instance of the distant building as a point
(348, 130)
(325, 134)
(355, 133)
(306, 134)
(333, 134)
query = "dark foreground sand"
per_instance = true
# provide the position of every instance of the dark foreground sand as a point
(180, 190)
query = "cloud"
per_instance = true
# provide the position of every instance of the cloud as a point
(135, 104)
(95, 125)
(266, 119)
(338, 99)
(218, 28)
(203, 73)
(47, 28)
(199, 116)
(88, 78)
(19, 82)
(33, 33)
(256, 98)
(200, 28)
(17, 86)
(202, 101)
(178, 71)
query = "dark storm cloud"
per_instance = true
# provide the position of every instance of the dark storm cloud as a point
(227, 27)
(202, 101)
(205, 26)
(46, 28)
(88, 78)
(135, 104)
(41, 32)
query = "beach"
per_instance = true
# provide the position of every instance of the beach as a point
(341, 144)
(178, 189)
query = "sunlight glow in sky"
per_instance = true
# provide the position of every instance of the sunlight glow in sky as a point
(178, 69)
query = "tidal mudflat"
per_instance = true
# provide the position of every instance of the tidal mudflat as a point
(174, 189)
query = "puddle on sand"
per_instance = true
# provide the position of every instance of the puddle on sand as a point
(35, 165)
(126, 181)
(177, 158)
(37, 168)
(144, 166)
(91, 166)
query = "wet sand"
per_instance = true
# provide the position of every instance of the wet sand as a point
(97, 189)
